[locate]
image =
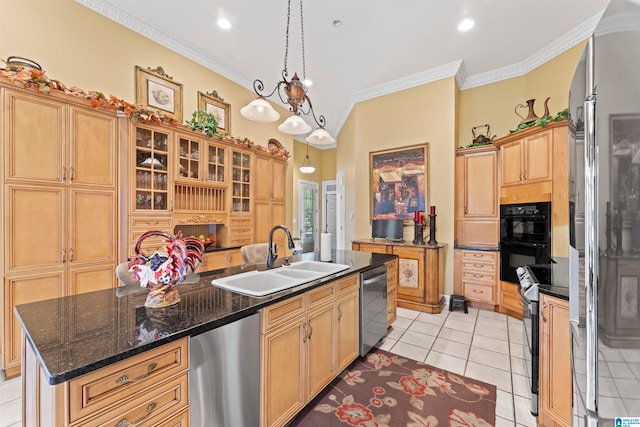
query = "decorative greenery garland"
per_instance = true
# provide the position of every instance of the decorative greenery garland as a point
(543, 121)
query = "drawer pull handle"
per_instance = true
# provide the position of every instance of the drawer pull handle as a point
(152, 222)
(339, 312)
(478, 255)
(306, 334)
(72, 173)
(478, 275)
(125, 422)
(478, 292)
(310, 330)
(125, 379)
(478, 265)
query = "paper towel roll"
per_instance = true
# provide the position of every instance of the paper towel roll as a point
(325, 247)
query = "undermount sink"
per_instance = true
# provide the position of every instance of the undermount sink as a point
(261, 283)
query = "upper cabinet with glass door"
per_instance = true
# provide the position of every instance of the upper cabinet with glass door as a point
(151, 172)
(200, 160)
(240, 181)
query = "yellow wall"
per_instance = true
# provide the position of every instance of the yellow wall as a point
(442, 115)
(82, 48)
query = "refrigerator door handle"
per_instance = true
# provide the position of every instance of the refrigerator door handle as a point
(591, 238)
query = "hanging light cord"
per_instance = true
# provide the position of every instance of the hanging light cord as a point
(286, 47)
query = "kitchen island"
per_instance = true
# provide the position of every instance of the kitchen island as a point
(84, 337)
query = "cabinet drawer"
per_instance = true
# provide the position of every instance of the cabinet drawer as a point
(240, 231)
(321, 295)
(474, 276)
(476, 292)
(281, 312)
(486, 256)
(150, 222)
(240, 240)
(240, 222)
(158, 403)
(478, 266)
(347, 284)
(213, 261)
(234, 258)
(371, 247)
(96, 390)
(179, 420)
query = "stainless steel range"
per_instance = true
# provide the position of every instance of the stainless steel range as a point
(530, 296)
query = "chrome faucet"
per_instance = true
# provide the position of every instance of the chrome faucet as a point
(273, 248)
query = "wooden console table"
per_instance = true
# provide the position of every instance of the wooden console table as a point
(420, 272)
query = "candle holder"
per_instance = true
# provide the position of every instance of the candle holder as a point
(418, 233)
(432, 230)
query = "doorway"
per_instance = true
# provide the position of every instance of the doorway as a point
(329, 212)
(308, 215)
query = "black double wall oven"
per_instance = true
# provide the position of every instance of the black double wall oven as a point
(525, 247)
(525, 238)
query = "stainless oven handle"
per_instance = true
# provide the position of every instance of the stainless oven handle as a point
(526, 244)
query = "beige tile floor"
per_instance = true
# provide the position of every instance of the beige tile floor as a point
(481, 344)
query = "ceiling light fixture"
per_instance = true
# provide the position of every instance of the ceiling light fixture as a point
(224, 23)
(466, 24)
(295, 94)
(306, 166)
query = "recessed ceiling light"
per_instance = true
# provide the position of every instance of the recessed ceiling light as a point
(336, 23)
(466, 24)
(224, 23)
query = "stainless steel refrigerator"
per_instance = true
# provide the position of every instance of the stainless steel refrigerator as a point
(604, 230)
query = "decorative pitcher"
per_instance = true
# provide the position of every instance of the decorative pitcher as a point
(531, 116)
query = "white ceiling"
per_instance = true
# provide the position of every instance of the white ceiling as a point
(382, 46)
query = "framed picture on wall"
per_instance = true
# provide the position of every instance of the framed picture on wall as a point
(399, 182)
(155, 90)
(213, 104)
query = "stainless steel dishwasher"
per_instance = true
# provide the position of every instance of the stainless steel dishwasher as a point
(373, 307)
(224, 375)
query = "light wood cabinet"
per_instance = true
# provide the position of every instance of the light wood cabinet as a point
(510, 302)
(149, 388)
(420, 278)
(348, 323)
(527, 159)
(59, 192)
(476, 201)
(240, 181)
(305, 340)
(535, 167)
(555, 387)
(270, 200)
(476, 277)
(392, 291)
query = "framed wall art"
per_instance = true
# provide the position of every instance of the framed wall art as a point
(399, 182)
(212, 103)
(155, 90)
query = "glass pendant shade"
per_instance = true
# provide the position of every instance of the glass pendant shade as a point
(306, 166)
(294, 125)
(260, 110)
(320, 137)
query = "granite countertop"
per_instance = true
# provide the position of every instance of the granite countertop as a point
(77, 334)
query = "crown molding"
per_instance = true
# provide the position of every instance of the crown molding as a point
(580, 33)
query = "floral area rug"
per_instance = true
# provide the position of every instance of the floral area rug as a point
(386, 390)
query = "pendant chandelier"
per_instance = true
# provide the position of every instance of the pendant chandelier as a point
(292, 92)
(306, 166)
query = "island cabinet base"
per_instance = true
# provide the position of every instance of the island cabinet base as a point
(148, 389)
